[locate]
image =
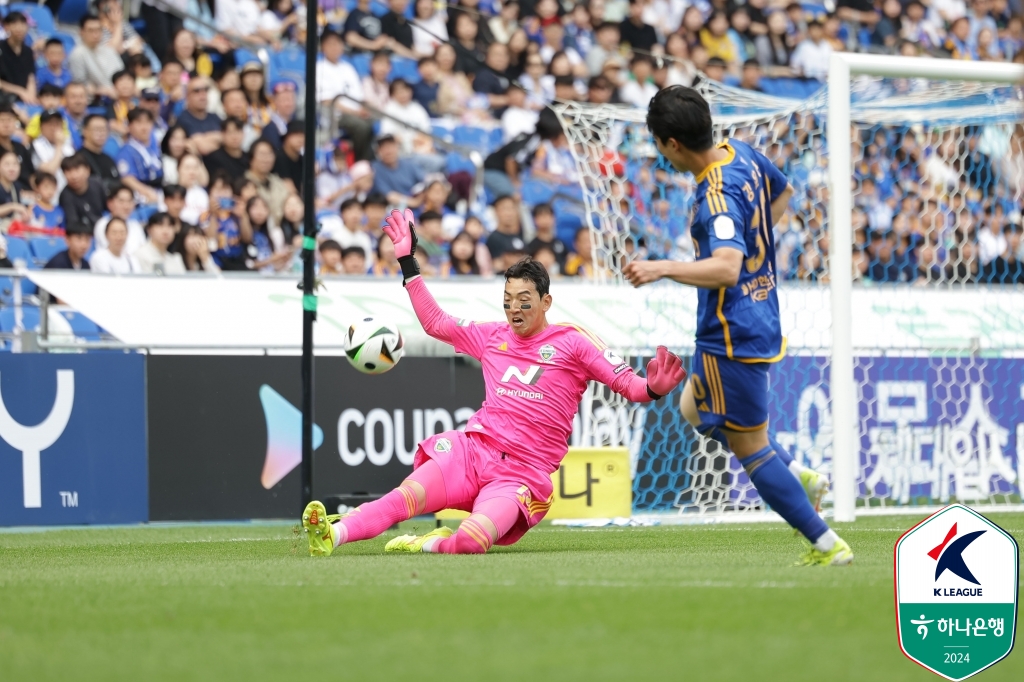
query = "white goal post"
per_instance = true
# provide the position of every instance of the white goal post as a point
(842, 66)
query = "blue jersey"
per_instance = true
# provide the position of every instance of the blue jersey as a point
(44, 77)
(733, 210)
(53, 217)
(140, 162)
(229, 237)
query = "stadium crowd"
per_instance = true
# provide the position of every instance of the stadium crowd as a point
(167, 145)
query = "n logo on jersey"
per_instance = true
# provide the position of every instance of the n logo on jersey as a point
(530, 378)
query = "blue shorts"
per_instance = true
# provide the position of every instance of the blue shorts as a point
(730, 394)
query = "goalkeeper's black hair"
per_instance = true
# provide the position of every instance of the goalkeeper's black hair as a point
(532, 271)
(681, 113)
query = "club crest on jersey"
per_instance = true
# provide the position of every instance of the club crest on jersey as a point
(547, 351)
(443, 445)
(524, 496)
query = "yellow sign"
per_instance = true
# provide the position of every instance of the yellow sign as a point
(591, 483)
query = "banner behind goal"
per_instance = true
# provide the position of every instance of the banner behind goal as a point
(936, 312)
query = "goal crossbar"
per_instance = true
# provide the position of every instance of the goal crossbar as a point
(842, 66)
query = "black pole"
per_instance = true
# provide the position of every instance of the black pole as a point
(308, 250)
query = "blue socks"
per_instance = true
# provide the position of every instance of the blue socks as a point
(780, 489)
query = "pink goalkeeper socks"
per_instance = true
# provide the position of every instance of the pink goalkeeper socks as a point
(373, 518)
(473, 536)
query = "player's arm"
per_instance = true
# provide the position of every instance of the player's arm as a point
(779, 189)
(722, 269)
(781, 203)
(436, 322)
(664, 372)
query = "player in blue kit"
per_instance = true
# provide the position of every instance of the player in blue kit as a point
(738, 331)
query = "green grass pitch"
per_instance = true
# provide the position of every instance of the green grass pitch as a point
(245, 602)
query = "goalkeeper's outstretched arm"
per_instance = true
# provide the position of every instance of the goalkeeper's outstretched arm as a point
(435, 322)
(664, 372)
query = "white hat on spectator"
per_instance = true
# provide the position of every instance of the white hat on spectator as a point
(360, 169)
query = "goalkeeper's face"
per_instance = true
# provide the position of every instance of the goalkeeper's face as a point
(525, 309)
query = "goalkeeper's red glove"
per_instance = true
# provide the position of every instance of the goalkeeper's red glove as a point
(400, 229)
(664, 372)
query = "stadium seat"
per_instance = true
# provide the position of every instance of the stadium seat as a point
(244, 56)
(442, 131)
(404, 68)
(67, 39)
(289, 63)
(455, 163)
(6, 290)
(81, 325)
(536, 192)
(496, 138)
(361, 63)
(473, 137)
(40, 19)
(30, 318)
(142, 213)
(18, 248)
(566, 225)
(378, 8)
(45, 248)
(72, 11)
(794, 88)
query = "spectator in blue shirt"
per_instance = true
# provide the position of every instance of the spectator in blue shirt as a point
(46, 212)
(139, 162)
(396, 178)
(55, 71)
(425, 92)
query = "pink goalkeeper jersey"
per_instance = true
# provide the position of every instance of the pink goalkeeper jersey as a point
(533, 386)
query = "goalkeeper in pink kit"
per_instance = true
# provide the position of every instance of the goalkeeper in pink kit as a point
(500, 467)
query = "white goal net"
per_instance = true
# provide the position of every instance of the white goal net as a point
(937, 306)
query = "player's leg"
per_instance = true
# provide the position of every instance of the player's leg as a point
(512, 498)
(444, 477)
(490, 520)
(725, 394)
(421, 492)
(815, 485)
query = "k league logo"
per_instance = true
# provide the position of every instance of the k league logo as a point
(956, 592)
(32, 440)
(952, 559)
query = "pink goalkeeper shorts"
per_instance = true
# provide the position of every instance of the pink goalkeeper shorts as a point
(476, 470)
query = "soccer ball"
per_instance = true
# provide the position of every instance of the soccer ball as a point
(374, 345)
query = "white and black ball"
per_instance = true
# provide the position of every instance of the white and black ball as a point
(374, 345)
